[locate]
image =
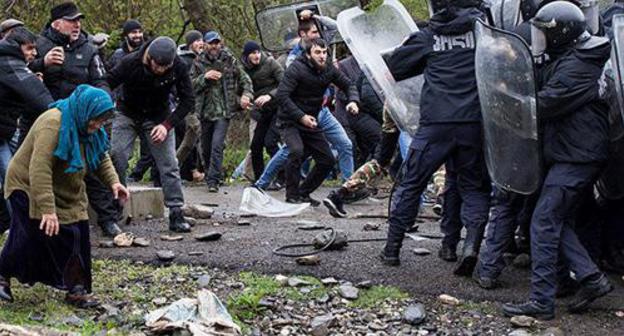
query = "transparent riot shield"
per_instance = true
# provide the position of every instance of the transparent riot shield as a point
(278, 25)
(506, 14)
(617, 58)
(610, 185)
(507, 92)
(371, 34)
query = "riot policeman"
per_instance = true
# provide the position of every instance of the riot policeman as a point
(450, 125)
(574, 122)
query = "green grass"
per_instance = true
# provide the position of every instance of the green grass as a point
(372, 297)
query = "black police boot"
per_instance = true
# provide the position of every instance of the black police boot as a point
(110, 229)
(447, 253)
(333, 202)
(594, 287)
(5, 290)
(177, 223)
(531, 308)
(470, 253)
(390, 254)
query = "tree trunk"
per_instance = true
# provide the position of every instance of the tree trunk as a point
(198, 13)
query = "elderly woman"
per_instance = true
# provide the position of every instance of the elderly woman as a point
(49, 235)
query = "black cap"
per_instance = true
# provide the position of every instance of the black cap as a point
(131, 25)
(67, 11)
(162, 50)
(192, 36)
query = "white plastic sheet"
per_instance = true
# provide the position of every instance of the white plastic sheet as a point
(202, 316)
(262, 204)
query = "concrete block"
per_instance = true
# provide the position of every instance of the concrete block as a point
(144, 201)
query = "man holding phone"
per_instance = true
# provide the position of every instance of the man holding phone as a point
(300, 96)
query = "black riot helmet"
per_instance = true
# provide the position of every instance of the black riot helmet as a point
(556, 25)
(436, 6)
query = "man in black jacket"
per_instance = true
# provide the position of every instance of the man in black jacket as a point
(132, 39)
(300, 96)
(450, 125)
(67, 59)
(21, 94)
(148, 77)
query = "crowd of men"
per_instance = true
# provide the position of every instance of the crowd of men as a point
(179, 101)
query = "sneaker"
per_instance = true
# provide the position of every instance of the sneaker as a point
(275, 186)
(447, 253)
(312, 201)
(110, 229)
(334, 205)
(356, 196)
(79, 297)
(5, 290)
(177, 223)
(213, 188)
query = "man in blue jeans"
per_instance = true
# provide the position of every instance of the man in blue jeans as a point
(334, 132)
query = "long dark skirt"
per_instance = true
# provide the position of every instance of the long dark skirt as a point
(62, 261)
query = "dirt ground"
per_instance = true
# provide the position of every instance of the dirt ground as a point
(250, 247)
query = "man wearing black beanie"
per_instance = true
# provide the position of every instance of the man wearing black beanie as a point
(149, 76)
(132, 39)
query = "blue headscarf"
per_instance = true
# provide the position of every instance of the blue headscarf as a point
(84, 104)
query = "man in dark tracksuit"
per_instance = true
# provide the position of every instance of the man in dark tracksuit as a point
(67, 59)
(574, 121)
(300, 96)
(450, 127)
(21, 94)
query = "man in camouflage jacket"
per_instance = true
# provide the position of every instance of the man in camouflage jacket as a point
(222, 88)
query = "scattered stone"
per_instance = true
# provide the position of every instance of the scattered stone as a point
(285, 331)
(619, 314)
(266, 302)
(312, 260)
(192, 221)
(415, 314)
(420, 251)
(160, 301)
(519, 332)
(522, 261)
(449, 300)
(296, 282)
(195, 253)
(523, 321)
(106, 244)
(320, 324)
(311, 227)
(305, 290)
(281, 279)
(124, 239)
(244, 223)
(204, 281)
(324, 299)
(282, 322)
(348, 292)
(329, 281)
(367, 284)
(216, 224)
(552, 331)
(36, 317)
(73, 320)
(141, 242)
(371, 226)
(307, 222)
(198, 211)
(165, 255)
(377, 326)
(171, 238)
(368, 317)
(208, 236)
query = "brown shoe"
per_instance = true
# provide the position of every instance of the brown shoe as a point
(79, 297)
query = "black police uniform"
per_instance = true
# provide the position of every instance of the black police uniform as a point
(450, 125)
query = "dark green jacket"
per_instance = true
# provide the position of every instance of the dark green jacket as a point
(219, 99)
(265, 77)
